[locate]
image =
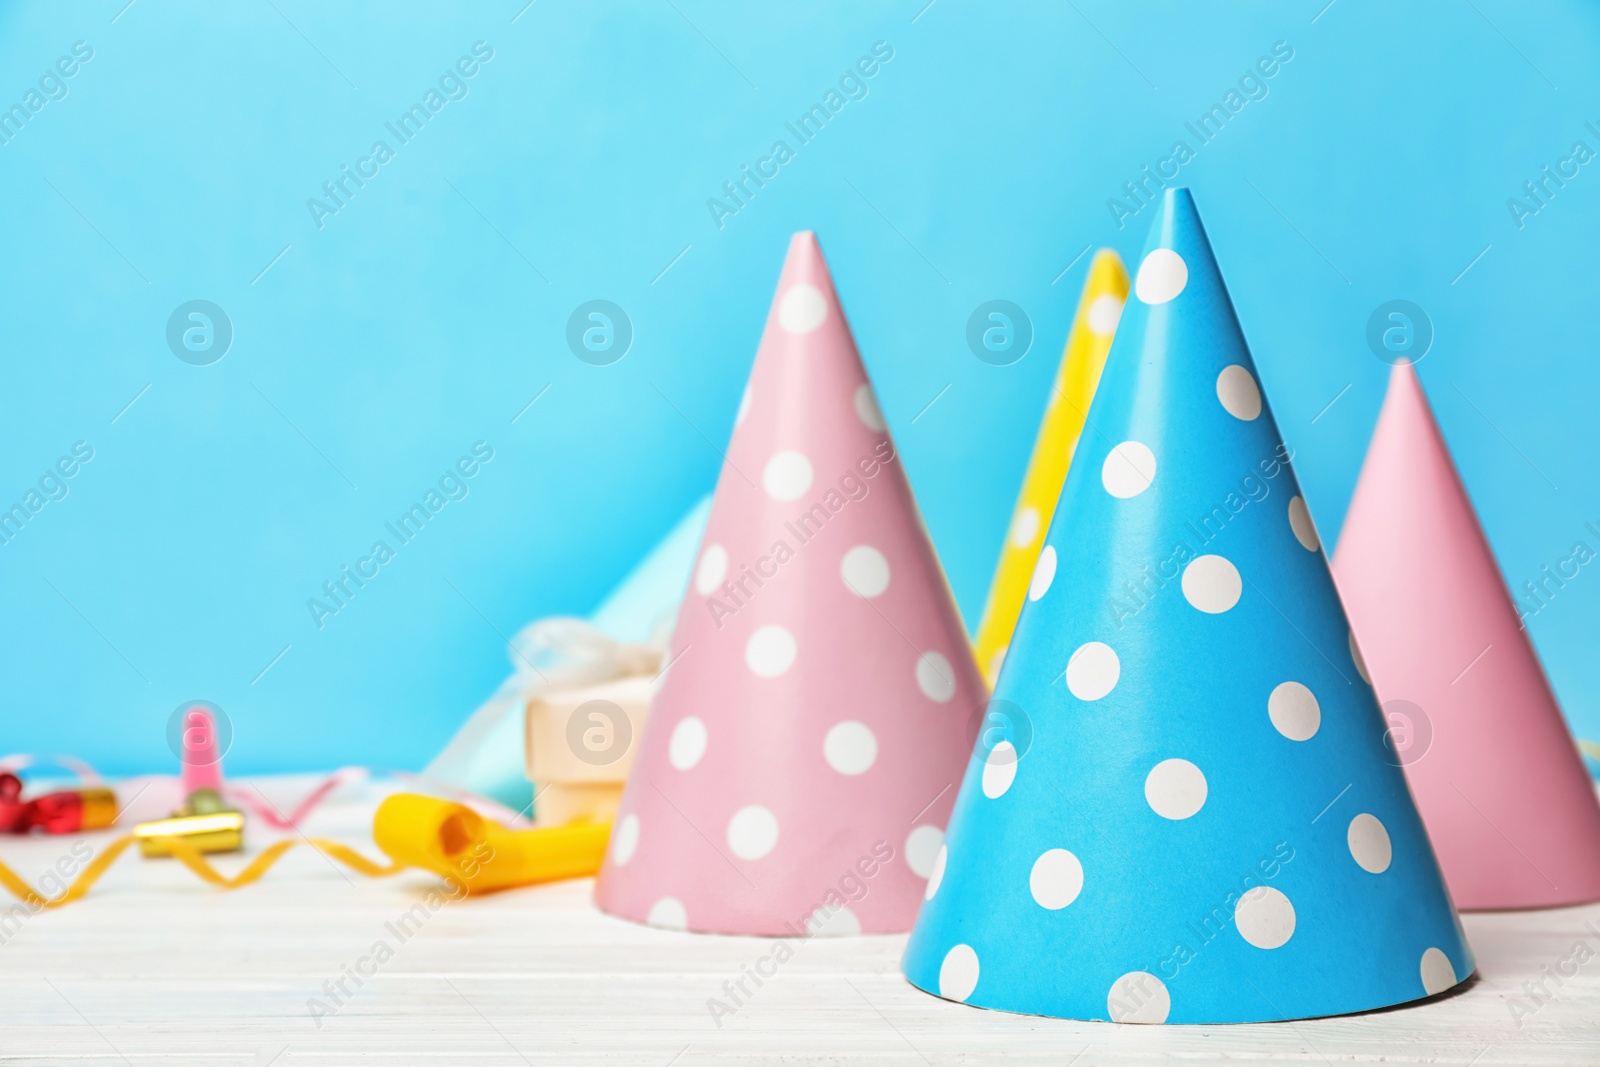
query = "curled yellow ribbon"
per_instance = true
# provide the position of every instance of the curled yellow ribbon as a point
(436, 835)
(191, 858)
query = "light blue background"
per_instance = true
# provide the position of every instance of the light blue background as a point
(416, 322)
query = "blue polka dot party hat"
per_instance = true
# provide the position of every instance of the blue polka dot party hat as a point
(1181, 808)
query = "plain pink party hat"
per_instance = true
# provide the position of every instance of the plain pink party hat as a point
(1498, 779)
(802, 753)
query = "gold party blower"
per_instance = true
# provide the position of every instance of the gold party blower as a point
(205, 822)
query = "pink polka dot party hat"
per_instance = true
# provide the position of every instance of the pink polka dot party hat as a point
(1495, 771)
(1187, 814)
(802, 753)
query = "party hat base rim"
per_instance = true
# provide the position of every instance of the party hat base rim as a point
(1454, 989)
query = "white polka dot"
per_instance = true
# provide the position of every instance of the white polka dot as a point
(923, 846)
(935, 677)
(770, 651)
(1437, 974)
(1128, 470)
(752, 832)
(744, 406)
(1237, 390)
(1294, 711)
(713, 568)
(1138, 997)
(865, 571)
(1305, 531)
(958, 974)
(1056, 879)
(688, 743)
(1175, 789)
(867, 409)
(1025, 527)
(938, 873)
(668, 914)
(1360, 662)
(1044, 572)
(833, 922)
(1369, 843)
(1212, 584)
(1093, 670)
(1104, 314)
(999, 769)
(625, 840)
(802, 309)
(788, 474)
(1162, 276)
(850, 748)
(1264, 917)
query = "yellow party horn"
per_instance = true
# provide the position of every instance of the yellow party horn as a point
(1099, 308)
(464, 848)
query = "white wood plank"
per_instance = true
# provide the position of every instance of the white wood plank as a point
(156, 967)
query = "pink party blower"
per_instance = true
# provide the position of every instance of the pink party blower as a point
(1501, 786)
(202, 763)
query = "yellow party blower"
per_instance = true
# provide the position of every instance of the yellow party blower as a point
(464, 848)
(1099, 308)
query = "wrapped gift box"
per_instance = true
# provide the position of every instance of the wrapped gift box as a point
(580, 747)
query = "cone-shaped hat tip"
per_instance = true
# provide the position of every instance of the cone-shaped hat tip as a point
(805, 254)
(1105, 259)
(1404, 386)
(1177, 211)
(1177, 200)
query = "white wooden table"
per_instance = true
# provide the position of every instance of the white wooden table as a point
(156, 967)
